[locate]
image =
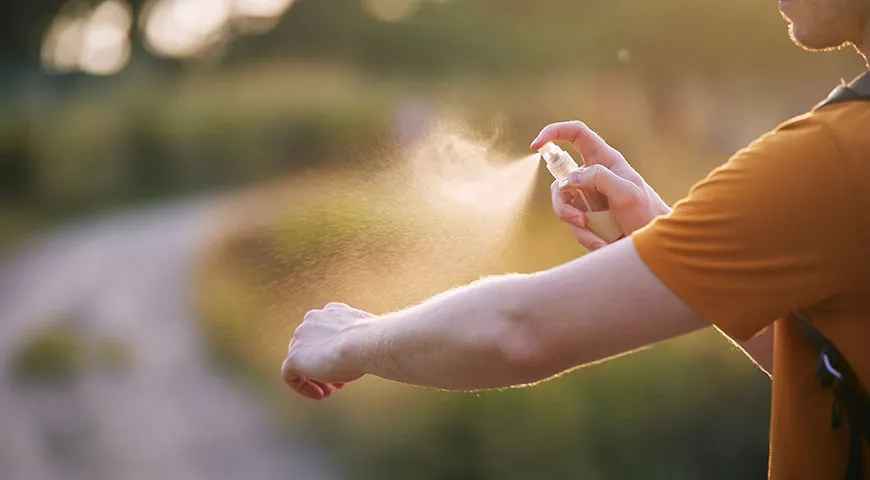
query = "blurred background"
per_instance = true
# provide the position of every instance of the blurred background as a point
(180, 180)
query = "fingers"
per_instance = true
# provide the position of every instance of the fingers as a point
(313, 389)
(301, 385)
(619, 191)
(563, 208)
(586, 238)
(326, 388)
(309, 388)
(591, 146)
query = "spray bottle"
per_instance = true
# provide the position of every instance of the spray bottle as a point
(593, 204)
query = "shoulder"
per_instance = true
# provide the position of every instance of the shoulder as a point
(849, 125)
(811, 130)
(795, 148)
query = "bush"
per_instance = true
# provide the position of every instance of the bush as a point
(56, 354)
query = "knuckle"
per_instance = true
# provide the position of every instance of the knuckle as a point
(576, 175)
(636, 196)
(596, 169)
(630, 196)
(297, 333)
(289, 365)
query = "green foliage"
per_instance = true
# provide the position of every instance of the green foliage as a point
(60, 353)
(52, 355)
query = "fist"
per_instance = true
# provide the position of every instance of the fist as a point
(318, 359)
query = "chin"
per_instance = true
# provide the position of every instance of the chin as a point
(814, 41)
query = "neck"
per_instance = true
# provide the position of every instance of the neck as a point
(864, 50)
(864, 47)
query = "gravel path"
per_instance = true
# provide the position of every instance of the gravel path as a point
(170, 415)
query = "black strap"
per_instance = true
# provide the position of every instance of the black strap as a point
(857, 90)
(834, 373)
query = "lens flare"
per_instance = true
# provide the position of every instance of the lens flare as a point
(106, 43)
(185, 28)
(94, 41)
(392, 10)
(260, 8)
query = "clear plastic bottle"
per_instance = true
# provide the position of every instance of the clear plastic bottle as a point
(593, 204)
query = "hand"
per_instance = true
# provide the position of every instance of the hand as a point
(632, 201)
(317, 362)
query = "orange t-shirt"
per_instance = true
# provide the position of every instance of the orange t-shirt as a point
(783, 227)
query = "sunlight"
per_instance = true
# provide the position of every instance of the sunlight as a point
(185, 28)
(93, 41)
(258, 16)
(189, 28)
(63, 42)
(260, 8)
(106, 44)
(392, 10)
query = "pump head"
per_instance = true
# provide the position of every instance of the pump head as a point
(559, 162)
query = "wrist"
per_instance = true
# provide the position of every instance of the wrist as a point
(662, 207)
(357, 345)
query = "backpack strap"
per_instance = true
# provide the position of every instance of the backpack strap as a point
(835, 374)
(857, 90)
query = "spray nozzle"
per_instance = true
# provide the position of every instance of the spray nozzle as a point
(551, 152)
(559, 162)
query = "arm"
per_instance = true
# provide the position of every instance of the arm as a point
(633, 201)
(500, 331)
(760, 350)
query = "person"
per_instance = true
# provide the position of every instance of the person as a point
(779, 231)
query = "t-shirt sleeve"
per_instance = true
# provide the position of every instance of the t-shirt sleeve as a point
(770, 232)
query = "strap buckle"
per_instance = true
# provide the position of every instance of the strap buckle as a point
(828, 375)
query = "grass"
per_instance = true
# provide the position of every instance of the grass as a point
(60, 353)
(56, 354)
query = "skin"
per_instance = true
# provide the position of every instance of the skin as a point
(515, 330)
(820, 25)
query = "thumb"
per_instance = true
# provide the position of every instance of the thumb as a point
(599, 178)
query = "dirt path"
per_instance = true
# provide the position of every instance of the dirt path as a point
(170, 415)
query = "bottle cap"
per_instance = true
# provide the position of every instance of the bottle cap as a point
(559, 162)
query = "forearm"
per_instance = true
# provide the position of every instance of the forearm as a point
(459, 340)
(521, 329)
